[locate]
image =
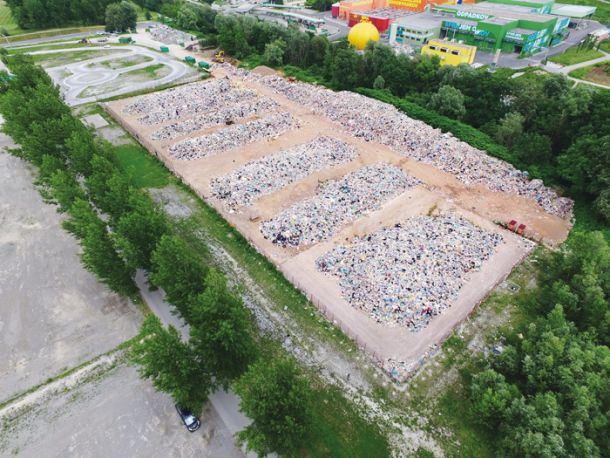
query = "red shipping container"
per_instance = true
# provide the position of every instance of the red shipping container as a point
(335, 10)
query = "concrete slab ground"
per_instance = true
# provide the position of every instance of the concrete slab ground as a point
(95, 120)
(53, 313)
(115, 415)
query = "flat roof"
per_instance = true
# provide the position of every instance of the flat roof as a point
(490, 9)
(498, 20)
(420, 21)
(523, 31)
(576, 11)
(381, 13)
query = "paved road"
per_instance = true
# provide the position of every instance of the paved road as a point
(226, 404)
(67, 36)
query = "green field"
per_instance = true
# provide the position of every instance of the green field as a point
(7, 21)
(59, 58)
(598, 73)
(576, 56)
(29, 49)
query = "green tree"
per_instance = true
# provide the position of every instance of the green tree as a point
(170, 364)
(509, 129)
(274, 53)
(121, 17)
(448, 101)
(138, 231)
(345, 68)
(221, 330)
(82, 215)
(379, 82)
(179, 272)
(100, 257)
(578, 277)
(65, 189)
(586, 165)
(278, 400)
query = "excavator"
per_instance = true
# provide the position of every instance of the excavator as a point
(219, 57)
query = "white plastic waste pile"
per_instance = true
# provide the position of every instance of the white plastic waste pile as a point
(336, 203)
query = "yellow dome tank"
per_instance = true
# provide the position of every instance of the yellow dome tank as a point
(361, 34)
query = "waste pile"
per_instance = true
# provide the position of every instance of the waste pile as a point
(169, 36)
(408, 273)
(336, 203)
(234, 136)
(223, 116)
(380, 122)
(263, 176)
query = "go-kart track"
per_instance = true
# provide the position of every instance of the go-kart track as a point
(388, 225)
(77, 77)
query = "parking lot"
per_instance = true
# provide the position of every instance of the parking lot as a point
(115, 415)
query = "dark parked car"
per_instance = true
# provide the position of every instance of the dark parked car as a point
(191, 422)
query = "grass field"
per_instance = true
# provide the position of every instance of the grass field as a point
(597, 73)
(575, 56)
(25, 50)
(7, 21)
(56, 59)
(143, 170)
(152, 71)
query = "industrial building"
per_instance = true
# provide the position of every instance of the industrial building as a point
(450, 53)
(523, 27)
(416, 29)
(509, 28)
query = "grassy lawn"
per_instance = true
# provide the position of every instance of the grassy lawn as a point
(122, 63)
(29, 35)
(340, 432)
(7, 21)
(28, 49)
(598, 73)
(144, 170)
(56, 59)
(605, 46)
(575, 56)
(152, 71)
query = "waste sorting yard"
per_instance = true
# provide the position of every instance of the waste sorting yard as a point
(388, 225)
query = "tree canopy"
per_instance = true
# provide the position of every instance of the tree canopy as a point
(277, 399)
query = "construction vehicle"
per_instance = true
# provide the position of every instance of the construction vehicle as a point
(219, 57)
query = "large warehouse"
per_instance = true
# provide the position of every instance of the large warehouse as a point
(511, 26)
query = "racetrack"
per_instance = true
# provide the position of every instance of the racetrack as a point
(74, 78)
